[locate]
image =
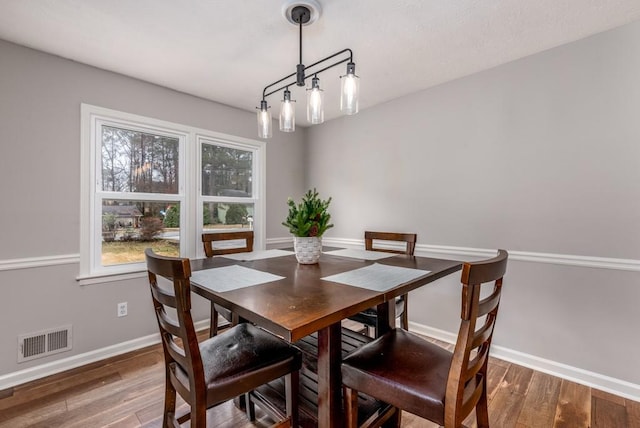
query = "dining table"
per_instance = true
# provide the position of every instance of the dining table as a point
(272, 290)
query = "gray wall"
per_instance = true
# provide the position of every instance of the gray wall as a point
(541, 155)
(40, 194)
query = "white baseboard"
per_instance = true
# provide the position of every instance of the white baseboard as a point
(594, 380)
(37, 372)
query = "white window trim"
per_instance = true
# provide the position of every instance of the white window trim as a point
(191, 139)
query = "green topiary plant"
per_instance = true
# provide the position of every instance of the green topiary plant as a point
(310, 217)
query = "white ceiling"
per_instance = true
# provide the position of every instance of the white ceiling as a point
(228, 50)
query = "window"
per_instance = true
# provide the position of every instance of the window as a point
(150, 183)
(227, 196)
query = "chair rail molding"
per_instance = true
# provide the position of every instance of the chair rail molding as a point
(466, 252)
(535, 257)
(35, 262)
(421, 250)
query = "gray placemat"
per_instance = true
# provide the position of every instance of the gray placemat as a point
(231, 278)
(377, 276)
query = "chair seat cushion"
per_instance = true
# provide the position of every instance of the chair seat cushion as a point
(402, 369)
(242, 356)
(243, 348)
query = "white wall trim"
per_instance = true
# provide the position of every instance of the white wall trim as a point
(530, 256)
(594, 380)
(35, 262)
(580, 261)
(523, 256)
(37, 372)
(421, 249)
(278, 242)
(111, 277)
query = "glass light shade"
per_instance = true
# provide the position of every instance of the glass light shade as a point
(287, 116)
(264, 121)
(315, 103)
(350, 89)
(287, 113)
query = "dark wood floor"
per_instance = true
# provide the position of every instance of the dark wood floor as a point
(127, 391)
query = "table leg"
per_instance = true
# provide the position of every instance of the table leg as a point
(213, 325)
(329, 377)
(386, 319)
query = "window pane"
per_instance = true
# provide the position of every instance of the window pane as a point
(134, 161)
(218, 215)
(226, 171)
(129, 227)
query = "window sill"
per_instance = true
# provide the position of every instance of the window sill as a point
(110, 277)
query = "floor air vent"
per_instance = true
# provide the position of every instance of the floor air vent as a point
(43, 343)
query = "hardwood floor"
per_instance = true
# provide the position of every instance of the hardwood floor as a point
(127, 391)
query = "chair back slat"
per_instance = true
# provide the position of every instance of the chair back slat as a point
(178, 355)
(472, 393)
(475, 365)
(165, 297)
(408, 238)
(208, 240)
(482, 335)
(169, 325)
(467, 376)
(490, 303)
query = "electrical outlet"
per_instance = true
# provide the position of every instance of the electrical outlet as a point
(122, 309)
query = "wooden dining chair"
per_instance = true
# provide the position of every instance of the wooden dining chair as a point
(369, 317)
(210, 250)
(409, 373)
(220, 368)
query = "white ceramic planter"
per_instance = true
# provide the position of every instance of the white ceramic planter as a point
(307, 249)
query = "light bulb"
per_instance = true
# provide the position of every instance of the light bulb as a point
(264, 120)
(315, 102)
(287, 113)
(350, 84)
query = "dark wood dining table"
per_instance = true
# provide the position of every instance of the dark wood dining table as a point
(303, 303)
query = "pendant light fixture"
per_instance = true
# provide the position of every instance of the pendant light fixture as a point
(305, 12)
(350, 88)
(264, 120)
(315, 100)
(287, 113)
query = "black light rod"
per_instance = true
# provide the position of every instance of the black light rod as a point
(326, 68)
(350, 59)
(331, 56)
(275, 83)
